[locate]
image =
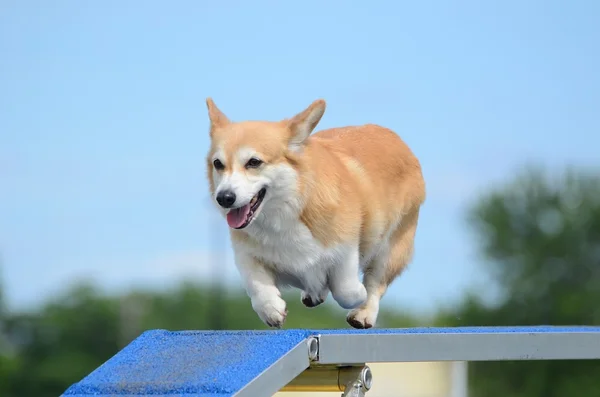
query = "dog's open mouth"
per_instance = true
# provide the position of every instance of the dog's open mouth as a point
(239, 218)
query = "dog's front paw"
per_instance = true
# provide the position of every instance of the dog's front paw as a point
(360, 319)
(271, 311)
(311, 300)
(365, 316)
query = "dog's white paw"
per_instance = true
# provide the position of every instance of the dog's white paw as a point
(271, 311)
(363, 317)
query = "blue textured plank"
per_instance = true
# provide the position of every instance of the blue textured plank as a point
(188, 363)
(220, 363)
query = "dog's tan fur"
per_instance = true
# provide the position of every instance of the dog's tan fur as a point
(356, 184)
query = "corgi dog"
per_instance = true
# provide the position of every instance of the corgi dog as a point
(313, 211)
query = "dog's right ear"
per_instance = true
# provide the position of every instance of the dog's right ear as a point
(302, 124)
(217, 118)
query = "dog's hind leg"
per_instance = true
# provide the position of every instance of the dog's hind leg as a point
(344, 281)
(382, 271)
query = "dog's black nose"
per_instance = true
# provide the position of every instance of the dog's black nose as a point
(226, 198)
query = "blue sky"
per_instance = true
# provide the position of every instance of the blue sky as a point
(103, 126)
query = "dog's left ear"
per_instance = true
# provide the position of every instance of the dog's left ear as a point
(302, 124)
(217, 118)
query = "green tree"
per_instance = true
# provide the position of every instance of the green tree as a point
(63, 341)
(9, 364)
(540, 238)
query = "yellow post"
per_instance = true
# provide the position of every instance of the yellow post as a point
(326, 378)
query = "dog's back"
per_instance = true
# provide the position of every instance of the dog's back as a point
(390, 171)
(373, 172)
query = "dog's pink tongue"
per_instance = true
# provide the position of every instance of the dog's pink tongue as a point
(237, 217)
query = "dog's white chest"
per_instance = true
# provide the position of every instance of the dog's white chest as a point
(293, 253)
(290, 248)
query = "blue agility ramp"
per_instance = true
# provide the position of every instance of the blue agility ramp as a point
(192, 363)
(260, 363)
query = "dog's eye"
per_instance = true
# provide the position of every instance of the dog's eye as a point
(253, 163)
(218, 165)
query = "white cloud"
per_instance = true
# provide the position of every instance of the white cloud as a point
(115, 275)
(199, 265)
(166, 268)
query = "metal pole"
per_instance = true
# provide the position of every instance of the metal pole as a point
(460, 387)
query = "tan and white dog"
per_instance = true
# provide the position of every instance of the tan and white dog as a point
(312, 211)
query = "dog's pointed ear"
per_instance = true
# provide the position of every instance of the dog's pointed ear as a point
(217, 118)
(302, 124)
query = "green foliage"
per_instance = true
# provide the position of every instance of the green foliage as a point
(540, 241)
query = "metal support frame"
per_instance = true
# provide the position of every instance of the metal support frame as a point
(352, 380)
(503, 345)
(328, 378)
(361, 384)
